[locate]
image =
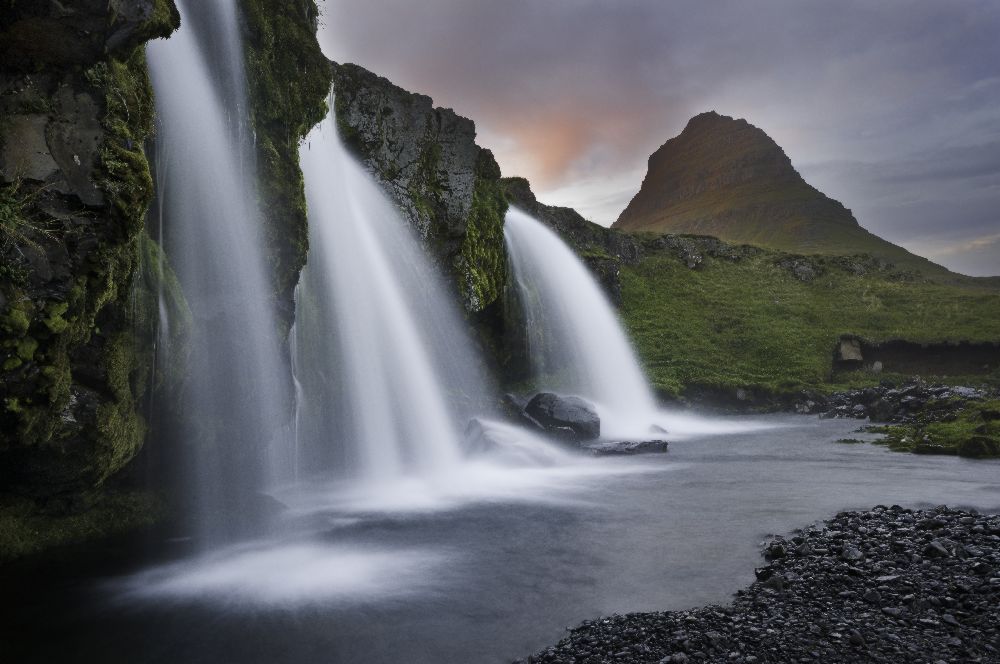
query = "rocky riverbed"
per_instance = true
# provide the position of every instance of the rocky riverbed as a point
(885, 585)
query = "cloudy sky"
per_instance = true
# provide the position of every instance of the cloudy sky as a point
(891, 107)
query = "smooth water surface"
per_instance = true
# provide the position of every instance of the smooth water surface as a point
(493, 565)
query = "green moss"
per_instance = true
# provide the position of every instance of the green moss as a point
(55, 321)
(47, 331)
(17, 318)
(26, 349)
(969, 430)
(483, 257)
(289, 80)
(26, 529)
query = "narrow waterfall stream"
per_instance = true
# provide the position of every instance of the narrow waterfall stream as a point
(576, 344)
(236, 390)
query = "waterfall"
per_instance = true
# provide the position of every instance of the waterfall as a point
(575, 343)
(236, 395)
(383, 361)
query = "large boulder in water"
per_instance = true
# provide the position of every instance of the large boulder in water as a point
(571, 416)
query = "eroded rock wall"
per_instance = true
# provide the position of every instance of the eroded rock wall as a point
(289, 81)
(76, 317)
(427, 160)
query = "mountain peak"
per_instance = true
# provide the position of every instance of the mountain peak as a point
(722, 172)
(725, 177)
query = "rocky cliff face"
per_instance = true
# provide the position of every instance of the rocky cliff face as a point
(76, 318)
(427, 160)
(289, 80)
(727, 178)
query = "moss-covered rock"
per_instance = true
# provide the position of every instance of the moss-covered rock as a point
(74, 189)
(954, 425)
(427, 160)
(289, 81)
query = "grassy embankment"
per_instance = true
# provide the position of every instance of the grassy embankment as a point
(750, 323)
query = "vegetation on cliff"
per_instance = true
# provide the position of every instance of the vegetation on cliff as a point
(75, 361)
(427, 160)
(289, 81)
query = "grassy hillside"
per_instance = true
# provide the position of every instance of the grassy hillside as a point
(761, 319)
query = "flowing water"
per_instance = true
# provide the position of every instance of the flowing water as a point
(494, 568)
(386, 375)
(576, 344)
(236, 391)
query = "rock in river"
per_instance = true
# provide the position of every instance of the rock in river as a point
(570, 415)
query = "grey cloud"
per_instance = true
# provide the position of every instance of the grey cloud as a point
(575, 91)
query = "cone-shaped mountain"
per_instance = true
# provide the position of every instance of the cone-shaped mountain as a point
(727, 178)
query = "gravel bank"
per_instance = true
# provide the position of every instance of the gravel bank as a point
(885, 585)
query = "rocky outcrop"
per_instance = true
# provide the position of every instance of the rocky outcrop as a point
(726, 178)
(427, 160)
(289, 81)
(76, 313)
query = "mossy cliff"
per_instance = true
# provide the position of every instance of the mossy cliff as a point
(289, 80)
(75, 333)
(427, 160)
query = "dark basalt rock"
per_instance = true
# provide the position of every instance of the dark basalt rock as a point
(568, 415)
(428, 162)
(858, 588)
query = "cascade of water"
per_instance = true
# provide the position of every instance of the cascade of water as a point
(236, 394)
(384, 362)
(575, 342)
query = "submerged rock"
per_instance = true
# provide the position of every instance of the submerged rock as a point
(478, 439)
(625, 447)
(562, 414)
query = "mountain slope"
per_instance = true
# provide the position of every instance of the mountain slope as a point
(727, 178)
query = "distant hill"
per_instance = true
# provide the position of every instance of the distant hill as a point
(727, 178)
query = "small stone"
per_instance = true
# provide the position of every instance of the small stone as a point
(851, 553)
(936, 549)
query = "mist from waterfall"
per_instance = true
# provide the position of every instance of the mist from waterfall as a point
(387, 375)
(236, 392)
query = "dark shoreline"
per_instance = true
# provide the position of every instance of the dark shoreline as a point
(885, 585)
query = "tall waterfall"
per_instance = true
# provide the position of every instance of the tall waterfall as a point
(575, 342)
(381, 354)
(236, 392)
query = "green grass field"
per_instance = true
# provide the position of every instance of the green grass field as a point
(751, 323)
